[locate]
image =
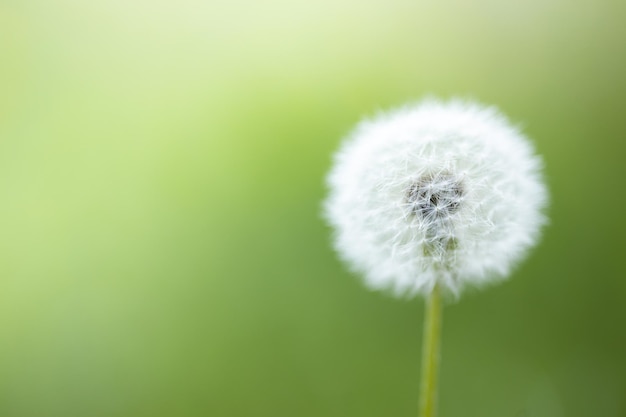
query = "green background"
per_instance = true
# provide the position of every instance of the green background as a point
(161, 175)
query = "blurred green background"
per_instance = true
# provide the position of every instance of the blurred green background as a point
(161, 173)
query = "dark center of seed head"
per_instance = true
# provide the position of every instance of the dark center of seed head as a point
(435, 197)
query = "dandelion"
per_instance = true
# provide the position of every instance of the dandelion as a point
(435, 197)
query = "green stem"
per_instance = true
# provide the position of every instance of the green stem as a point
(430, 354)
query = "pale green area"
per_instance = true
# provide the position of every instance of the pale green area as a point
(161, 172)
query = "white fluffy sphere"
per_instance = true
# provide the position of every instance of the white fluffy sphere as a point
(446, 193)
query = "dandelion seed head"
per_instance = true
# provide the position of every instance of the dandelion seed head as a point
(435, 192)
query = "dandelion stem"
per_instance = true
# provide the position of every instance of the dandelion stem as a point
(430, 354)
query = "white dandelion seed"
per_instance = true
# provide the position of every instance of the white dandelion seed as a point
(435, 193)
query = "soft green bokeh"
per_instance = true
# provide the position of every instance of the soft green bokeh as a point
(161, 172)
